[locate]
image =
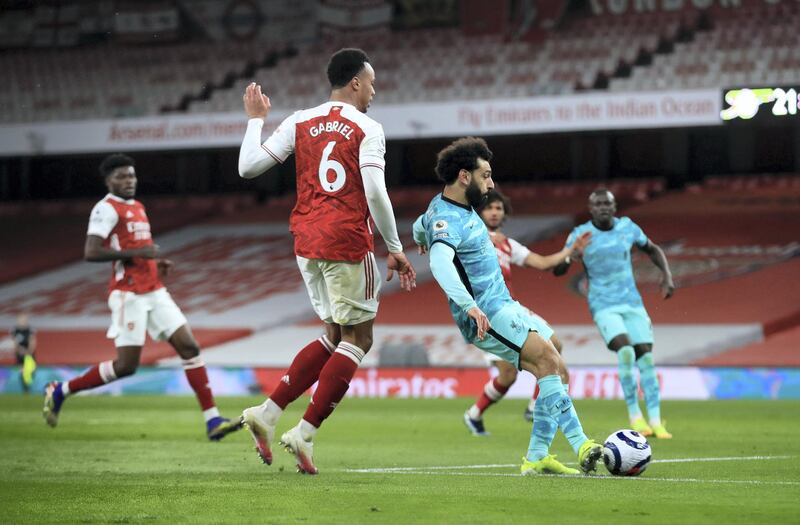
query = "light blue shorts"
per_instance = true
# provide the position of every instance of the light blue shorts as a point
(510, 329)
(624, 319)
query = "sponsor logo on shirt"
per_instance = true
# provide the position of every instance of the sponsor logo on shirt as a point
(140, 230)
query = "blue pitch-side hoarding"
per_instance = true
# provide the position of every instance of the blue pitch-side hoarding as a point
(706, 383)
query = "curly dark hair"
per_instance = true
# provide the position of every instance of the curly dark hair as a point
(114, 161)
(344, 65)
(496, 196)
(463, 154)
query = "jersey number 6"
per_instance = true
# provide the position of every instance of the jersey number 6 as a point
(327, 164)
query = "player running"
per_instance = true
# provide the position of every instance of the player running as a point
(340, 185)
(464, 263)
(494, 210)
(119, 231)
(616, 306)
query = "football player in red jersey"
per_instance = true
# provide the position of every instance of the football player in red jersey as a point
(494, 211)
(339, 155)
(119, 232)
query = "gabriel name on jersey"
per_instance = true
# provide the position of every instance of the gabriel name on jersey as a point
(332, 127)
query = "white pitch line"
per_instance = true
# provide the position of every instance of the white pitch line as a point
(386, 470)
(601, 477)
(454, 467)
(730, 458)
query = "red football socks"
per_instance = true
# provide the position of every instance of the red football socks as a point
(96, 376)
(303, 372)
(334, 380)
(492, 393)
(195, 371)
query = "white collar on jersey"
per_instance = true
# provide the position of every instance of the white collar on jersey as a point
(339, 103)
(119, 199)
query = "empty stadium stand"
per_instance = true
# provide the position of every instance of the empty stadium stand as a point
(39, 236)
(738, 47)
(644, 51)
(116, 81)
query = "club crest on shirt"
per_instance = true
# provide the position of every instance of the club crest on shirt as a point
(439, 225)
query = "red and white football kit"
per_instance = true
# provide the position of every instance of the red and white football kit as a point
(340, 186)
(138, 300)
(339, 154)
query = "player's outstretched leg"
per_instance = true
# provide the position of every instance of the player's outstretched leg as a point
(538, 460)
(652, 397)
(626, 357)
(57, 392)
(540, 358)
(558, 405)
(301, 375)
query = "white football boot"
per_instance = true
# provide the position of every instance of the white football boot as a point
(303, 450)
(262, 432)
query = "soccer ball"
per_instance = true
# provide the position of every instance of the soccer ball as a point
(626, 453)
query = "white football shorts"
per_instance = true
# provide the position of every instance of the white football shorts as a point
(133, 315)
(342, 292)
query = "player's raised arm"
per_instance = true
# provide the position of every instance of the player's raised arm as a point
(550, 262)
(256, 158)
(563, 267)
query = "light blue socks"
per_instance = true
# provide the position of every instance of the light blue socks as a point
(553, 410)
(649, 380)
(626, 357)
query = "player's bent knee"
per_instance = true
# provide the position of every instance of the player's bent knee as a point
(189, 351)
(507, 375)
(642, 350)
(539, 357)
(125, 368)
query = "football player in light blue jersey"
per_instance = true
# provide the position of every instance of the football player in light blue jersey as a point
(464, 262)
(616, 306)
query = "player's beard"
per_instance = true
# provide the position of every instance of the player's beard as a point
(475, 197)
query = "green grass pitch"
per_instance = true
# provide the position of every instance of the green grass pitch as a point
(145, 460)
